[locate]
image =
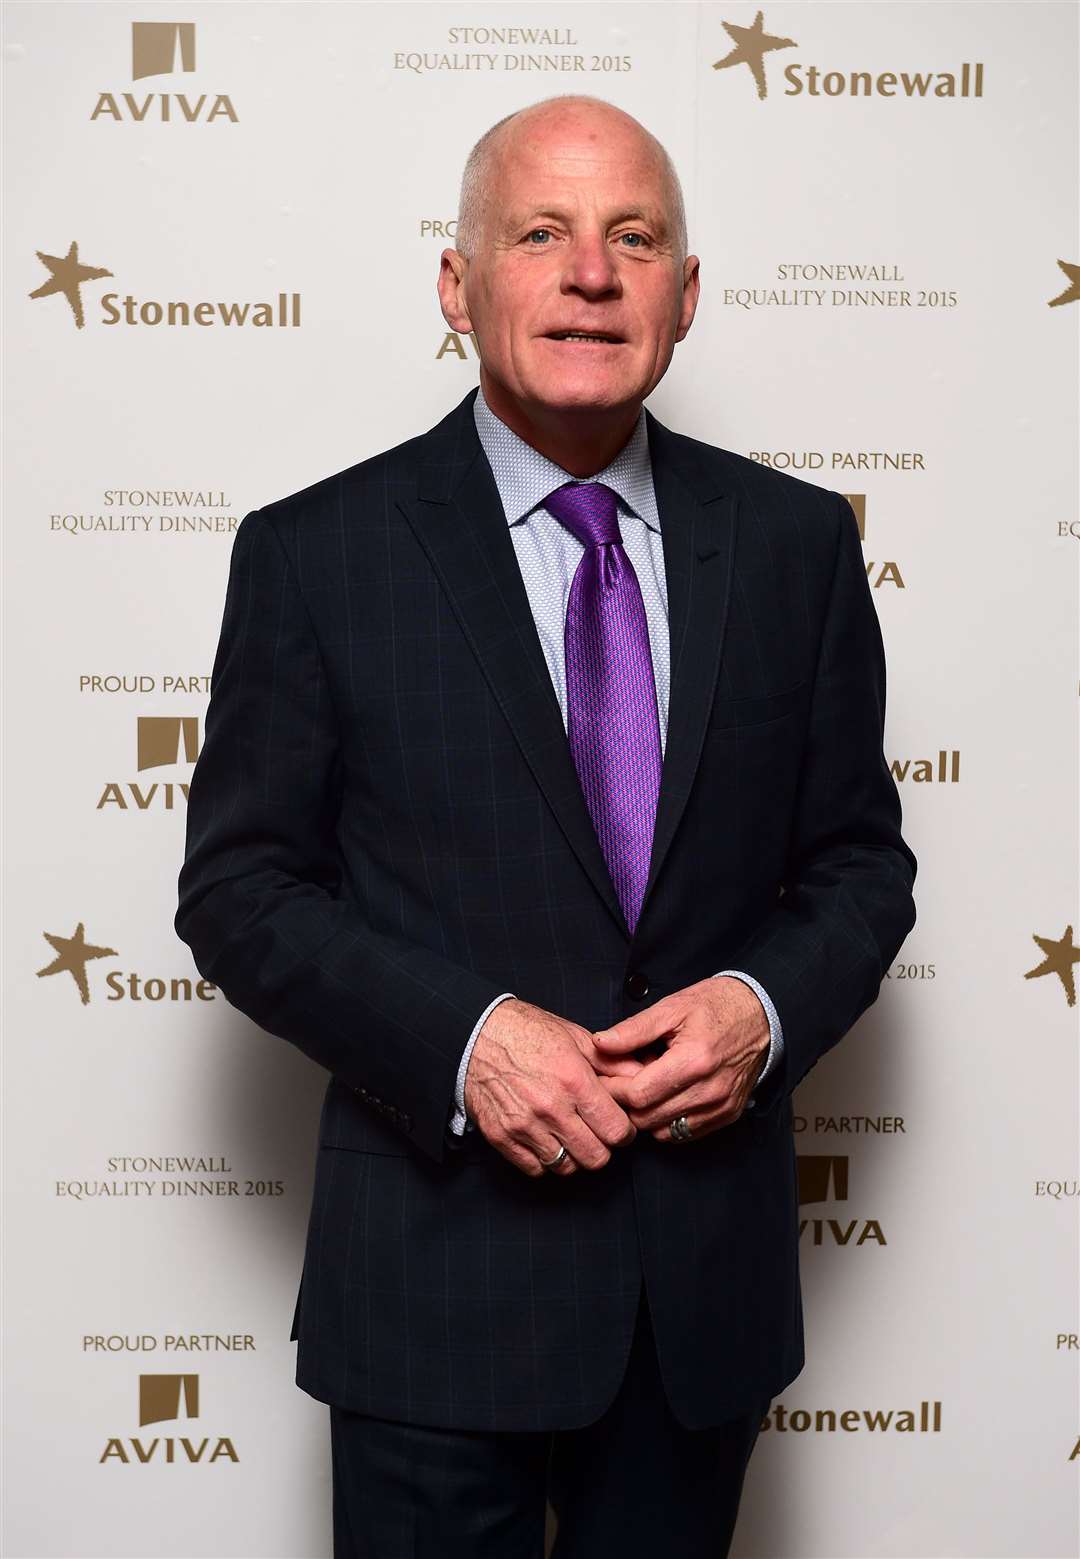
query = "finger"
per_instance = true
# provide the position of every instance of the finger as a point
(702, 1123)
(702, 1096)
(607, 1121)
(624, 1066)
(587, 1122)
(548, 1150)
(623, 1091)
(665, 1078)
(637, 1030)
(599, 1061)
(523, 1158)
(583, 1145)
(534, 1153)
(617, 1087)
(528, 1155)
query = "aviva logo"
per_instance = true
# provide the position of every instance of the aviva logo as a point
(155, 45)
(160, 737)
(823, 1177)
(161, 741)
(161, 49)
(160, 1399)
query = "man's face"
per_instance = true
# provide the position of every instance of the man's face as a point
(578, 237)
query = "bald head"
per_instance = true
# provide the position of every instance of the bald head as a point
(481, 180)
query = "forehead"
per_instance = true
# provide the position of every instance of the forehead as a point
(548, 162)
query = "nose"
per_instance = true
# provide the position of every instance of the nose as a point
(590, 267)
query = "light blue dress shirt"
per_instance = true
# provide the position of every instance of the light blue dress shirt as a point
(548, 555)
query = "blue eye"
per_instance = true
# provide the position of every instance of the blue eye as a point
(634, 235)
(535, 231)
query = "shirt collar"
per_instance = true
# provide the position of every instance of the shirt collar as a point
(525, 477)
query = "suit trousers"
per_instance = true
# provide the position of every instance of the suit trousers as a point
(633, 1483)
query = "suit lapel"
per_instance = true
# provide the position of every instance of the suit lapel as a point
(697, 529)
(458, 519)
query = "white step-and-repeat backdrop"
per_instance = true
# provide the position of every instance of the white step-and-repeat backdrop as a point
(223, 232)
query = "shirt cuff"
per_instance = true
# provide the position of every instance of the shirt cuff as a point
(776, 1032)
(459, 1121)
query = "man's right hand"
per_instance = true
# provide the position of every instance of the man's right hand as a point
(532, 1086)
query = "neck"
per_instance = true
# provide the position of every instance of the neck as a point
(581, 439)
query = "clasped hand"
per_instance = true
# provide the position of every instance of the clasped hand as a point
(537, 1082)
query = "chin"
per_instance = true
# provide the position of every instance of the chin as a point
(569, 394)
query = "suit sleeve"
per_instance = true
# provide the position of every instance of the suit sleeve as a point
(262, 902)
(847, 902)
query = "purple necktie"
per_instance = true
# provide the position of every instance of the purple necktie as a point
(612, 722)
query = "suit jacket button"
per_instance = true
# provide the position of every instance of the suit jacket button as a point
(637, 985)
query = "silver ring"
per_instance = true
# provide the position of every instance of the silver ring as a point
(557, 1160)
(680, 1129)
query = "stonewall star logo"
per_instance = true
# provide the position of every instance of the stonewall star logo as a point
(751, 46)
(1059, 959)
(910, 78)
(1072, 291)
(68, 275)
(73, 953)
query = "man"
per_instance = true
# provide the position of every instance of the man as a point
(543, 803)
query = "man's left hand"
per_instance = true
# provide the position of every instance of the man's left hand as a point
(717, 1038)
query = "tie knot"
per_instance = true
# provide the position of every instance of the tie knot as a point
(588, 509)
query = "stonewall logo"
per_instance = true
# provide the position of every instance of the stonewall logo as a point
(68, 275)
(943, 769)
(74, 953)
(752, 44)
(900, 1420)
(160, 49)
(1071, 293)
(1058, 958)
(161, 741)
(160, 1401)
(823, 1177)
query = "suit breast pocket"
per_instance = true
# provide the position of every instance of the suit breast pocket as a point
(737, 714)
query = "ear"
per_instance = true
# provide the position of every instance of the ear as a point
(691, 293)
(453, 268)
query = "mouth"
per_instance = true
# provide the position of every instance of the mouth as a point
(586, 337)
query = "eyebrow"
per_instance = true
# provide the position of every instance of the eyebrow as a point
(630, 214)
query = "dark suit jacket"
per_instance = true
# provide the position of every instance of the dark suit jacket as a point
(386, 830)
